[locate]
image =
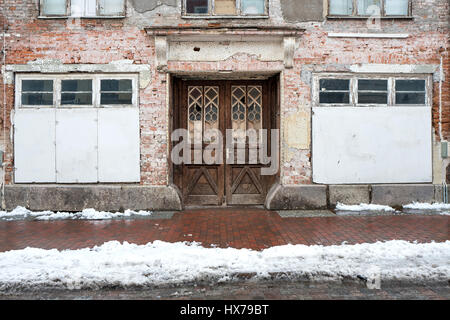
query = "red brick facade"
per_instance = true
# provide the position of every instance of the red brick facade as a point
(101, 41)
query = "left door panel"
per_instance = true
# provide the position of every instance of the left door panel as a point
(34, 146)
(76, 146)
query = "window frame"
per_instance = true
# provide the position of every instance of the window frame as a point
(68, 13)
(355, 15)
(96, 92)
(364, 76)
(212, 15)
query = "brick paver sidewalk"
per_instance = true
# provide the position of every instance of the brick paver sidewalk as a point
(239, 228)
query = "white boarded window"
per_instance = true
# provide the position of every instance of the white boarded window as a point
(383, 135)
(60, 124)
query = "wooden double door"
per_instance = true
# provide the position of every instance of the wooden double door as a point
(231, 109)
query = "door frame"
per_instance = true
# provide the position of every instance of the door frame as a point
(175, 101)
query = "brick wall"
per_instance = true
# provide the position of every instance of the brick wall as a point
(92, 41)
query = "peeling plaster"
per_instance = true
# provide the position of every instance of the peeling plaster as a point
(297, 132)
(308, 70)
(142, 6)
(56, 66)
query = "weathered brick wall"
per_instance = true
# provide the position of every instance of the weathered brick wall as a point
(106, 40)
(91, 41)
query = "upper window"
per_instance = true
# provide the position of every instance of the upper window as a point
(225, 8)
(364, 8)
(83, 8)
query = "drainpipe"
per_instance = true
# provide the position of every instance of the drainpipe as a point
(444, 144)
(3, 204)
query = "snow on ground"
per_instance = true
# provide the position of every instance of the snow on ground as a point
(161, 263)
(427, 206)
(363, 207)
(87, 214)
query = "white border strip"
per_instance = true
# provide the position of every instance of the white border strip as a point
(369, 35)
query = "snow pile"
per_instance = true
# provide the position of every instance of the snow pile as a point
(363, 207)
(161, 263)
(427, 206)
(87, 214)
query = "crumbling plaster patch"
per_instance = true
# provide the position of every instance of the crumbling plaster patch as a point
(219, 51)
(142, 6)
(302, 10)
(56, 66)
(297, 134)
(308, 70)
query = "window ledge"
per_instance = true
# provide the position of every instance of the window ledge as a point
(368, 17)
(71, 17)
(368, 35)
(209, 17)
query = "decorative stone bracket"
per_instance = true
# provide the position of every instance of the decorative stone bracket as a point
(289, 51)
(162, 52)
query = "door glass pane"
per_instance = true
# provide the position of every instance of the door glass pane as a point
(341, 7)
(365, 7)
(116, 98)
(37, 99)
(197, 6)
(254, 107)
(334, 84)
(410, 92)
(373, 97)
(54, 7)
(76, 85)
(334, 91)
(396, 7)
(116, 92)
(238, 111)
(116, 85)
(373, 91)
(211, 99)
(112, 7)
(195, 114)
(37, 85)
(225, 7)
(372, 85)
(37, 92)
(76, 92)
(253, 7)
(410, 85)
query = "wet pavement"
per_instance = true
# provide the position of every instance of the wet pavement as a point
(239, 228)
(263, 290)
